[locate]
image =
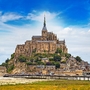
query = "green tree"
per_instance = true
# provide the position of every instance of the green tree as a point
(4, 64)
(57, 58)
(40, 63)
(78, 58)
(51, 59)
(22, 58)
(12, 55)
(57, 65)
(7, 60)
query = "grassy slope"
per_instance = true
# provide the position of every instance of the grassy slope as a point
(50, 85)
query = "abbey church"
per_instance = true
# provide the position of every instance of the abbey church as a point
(47, 42)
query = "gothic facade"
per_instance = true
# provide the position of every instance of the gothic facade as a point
(47, 42)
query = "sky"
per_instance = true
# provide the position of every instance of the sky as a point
(21, 19)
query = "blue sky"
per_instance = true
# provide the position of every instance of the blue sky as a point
(69, 19)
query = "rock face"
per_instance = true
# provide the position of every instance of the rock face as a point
(2, 70)
(19, 68)
(72, 64)
(70, 67)
(47, 42)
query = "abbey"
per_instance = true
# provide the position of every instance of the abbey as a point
(47, 42)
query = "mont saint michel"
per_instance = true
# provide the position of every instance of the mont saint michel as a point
(46, 43)
(44, 55)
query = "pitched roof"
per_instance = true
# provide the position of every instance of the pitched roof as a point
(36, 36)
(44, 28)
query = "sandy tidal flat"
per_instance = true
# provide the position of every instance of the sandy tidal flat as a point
(9, 80)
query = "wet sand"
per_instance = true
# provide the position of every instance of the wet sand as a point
(9, 80)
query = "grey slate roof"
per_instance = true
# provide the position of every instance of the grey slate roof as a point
(44, 28)
(36, 36)
(46, 41)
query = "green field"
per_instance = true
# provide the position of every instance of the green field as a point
(50, 85)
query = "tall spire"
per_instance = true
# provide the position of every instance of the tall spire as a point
(44, 24)
(44, 21)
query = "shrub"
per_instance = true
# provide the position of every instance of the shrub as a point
(29, 63)
(51, 59)
(40, 63)
(22, 58)
(12, 55)
(4, 64)
(7, 60)
(78, 58)
(10, 68)
(67, 55)
(57, 65)
(57, 58)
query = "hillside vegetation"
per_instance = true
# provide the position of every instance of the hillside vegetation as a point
(36, 59)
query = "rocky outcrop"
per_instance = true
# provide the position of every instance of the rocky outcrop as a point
(2, 70)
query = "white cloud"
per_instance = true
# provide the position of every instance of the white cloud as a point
(38, 17)
(77, 38)
(9, 16)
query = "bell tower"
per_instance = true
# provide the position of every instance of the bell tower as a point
(44, 29)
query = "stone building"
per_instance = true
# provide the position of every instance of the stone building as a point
(47, 42)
